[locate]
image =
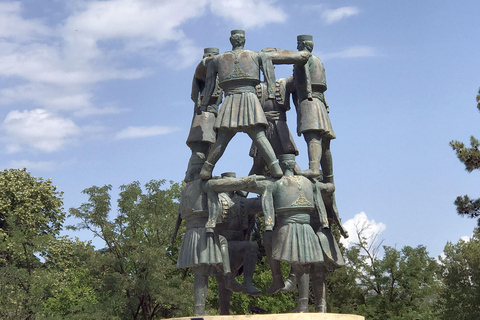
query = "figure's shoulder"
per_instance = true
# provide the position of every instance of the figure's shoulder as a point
(317, 59)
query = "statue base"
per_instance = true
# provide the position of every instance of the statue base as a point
(279, 316)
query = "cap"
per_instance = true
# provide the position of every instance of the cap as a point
(211, 50)
(305, 37)
(229, 175)
(237, 31)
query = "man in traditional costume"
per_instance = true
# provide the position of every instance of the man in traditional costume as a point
(312, 111)
(235, 222)
(288, 204)
(277, 132)
(202, 135)
(201, 250)
(238, 73)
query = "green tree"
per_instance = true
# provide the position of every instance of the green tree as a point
(74, 282)
(139, 280)
(470, 157)
(399, 284)
(31, 216)
(460, 270)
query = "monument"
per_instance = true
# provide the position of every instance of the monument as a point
(298, 206)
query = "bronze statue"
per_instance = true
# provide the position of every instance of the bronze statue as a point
(312, 111)
(236, 221)
(299, 206)
(277, 132)
(288, 204)
(238, 73)
(201, 250)
(321, 222)
(202, 135)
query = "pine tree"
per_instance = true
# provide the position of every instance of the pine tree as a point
(470, 157)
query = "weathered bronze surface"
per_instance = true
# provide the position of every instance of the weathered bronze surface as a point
(298, 206)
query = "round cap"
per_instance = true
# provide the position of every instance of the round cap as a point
(237, 31)
(229, 175)
(305, 37)
(211, 50)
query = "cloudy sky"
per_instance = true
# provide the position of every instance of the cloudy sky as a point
(98, 92)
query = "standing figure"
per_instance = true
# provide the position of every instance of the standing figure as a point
(238, 73)
(201, 250)
(312, 111)
(321, 221)
(288, 205)
(237, 219)
(202, 135)
(277, 132)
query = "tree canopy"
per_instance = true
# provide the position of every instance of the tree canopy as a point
(470, 157)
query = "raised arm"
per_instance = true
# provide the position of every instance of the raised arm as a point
(281, 56)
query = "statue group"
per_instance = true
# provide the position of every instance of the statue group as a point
(298, 205)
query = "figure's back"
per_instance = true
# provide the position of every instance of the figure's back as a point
(293, 192)
(238, 66)
(193, 200)
(317, 74)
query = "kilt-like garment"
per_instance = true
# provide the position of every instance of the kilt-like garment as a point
(201, 129)
(198, 248)
(240, 110)
(295, 241)
(312, 115)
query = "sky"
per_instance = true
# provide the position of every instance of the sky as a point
(98, 92)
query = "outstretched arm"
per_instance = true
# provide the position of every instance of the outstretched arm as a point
(281, 56)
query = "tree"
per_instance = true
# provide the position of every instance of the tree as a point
(401, 284)
(460, 270)
(138, 264)
(470, 157)
(74, 282)
(31, 216)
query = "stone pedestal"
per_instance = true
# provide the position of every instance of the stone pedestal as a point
(280, 316)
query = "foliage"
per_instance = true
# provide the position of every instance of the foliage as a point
(139, 275)
(31, 216)
(470, 157)
(400, 285)
(72, 291)
(460, 270)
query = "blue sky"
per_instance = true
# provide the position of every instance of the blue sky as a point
(98, 92)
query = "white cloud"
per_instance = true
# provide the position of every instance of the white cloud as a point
(32, 165)
(352, 52)
(55, 67)
(38, 129)
(334, 15)
(248, 13)
(141, 132)
(22, 30)
(361, 225)
(465, 238)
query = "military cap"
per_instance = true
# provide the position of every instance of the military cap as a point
(211, 50)
(229, 175)
(305, 37)
(237, 31)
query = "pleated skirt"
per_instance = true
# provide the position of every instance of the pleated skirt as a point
(313, 115)
(199, 249)
(240, 110)
(331, 251)
(296, 243)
